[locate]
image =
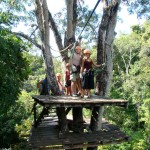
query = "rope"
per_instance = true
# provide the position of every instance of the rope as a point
(79, 37)
(89, 19)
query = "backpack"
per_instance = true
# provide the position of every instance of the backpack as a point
(45, 88)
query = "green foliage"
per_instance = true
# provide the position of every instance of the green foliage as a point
(14, 12)
(7, 18)
(131, 77)
(131, 81)
(14, 71)
(90, 32)
(8, 122)
(57, 66)
(25, 98)
(25, 101)
(140, 7)
(37, 72)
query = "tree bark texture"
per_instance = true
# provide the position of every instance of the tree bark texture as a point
(56, 32)
(43, 24)
(106, 35)
(69, 34)
(71, 24)
(42, 15)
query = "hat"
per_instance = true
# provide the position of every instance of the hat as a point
(87, 51)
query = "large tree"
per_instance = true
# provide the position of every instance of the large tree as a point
(106, 36)
(42, 15)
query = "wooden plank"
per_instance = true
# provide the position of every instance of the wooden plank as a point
(68, 101)
(48, 135)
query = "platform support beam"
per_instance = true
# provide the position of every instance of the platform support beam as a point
(61, 113)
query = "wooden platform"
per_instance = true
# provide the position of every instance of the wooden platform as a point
(46, 135)
(68, 101)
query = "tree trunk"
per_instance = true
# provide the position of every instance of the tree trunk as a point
(56, 32)
(70, 33)
(71, 22)
(106, 36)
(42, 20)
(42, 15)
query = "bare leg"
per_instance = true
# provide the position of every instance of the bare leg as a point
(82, 93)
(69, 90)
(79, 85)
(73, 87)
(89, 92)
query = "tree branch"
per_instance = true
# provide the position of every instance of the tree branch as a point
(56, 32)
(28, 38)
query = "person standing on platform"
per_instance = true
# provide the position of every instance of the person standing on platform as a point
(87, 74)
(60, 84)
(67, 80)
(75, 62)
(44, 87)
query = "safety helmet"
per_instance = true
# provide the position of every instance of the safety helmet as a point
(87, 51)
(67, 65)
(58, 75)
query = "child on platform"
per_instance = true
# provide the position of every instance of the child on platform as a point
(60, 84)
(67, 80)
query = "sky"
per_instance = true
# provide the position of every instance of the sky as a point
(123, 26)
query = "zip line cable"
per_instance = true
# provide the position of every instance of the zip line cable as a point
(89, 18)
(66, 48)
(79, 37)
(83, 27)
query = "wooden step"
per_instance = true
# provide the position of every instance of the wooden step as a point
(48, 136)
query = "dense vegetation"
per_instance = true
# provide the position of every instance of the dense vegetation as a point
(14, 71)
(20, 71)
(131, 81)
(131, 78)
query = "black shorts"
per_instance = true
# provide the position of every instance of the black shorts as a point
(68, 83)
(87, 81)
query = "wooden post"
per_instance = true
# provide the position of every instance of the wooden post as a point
(62, 120)
(78, 118)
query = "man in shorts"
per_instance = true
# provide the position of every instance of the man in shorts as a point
(75, 62)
